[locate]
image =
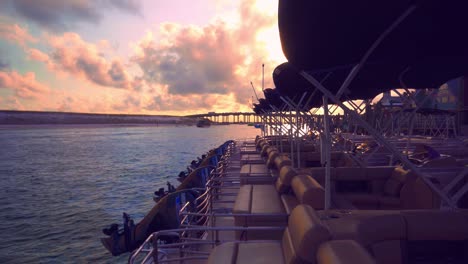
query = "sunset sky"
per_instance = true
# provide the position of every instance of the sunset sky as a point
(136, 57)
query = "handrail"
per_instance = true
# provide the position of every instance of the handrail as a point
(156, 248)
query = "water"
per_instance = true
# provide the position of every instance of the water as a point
(62, 185)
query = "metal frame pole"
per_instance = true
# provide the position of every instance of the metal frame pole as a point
(377, 136)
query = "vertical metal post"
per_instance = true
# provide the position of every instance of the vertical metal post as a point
(379, 138)
(326, 149)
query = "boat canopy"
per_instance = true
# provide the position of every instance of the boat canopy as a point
(413, 44)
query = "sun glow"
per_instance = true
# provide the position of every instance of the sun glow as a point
(270, 38)
(267, 6)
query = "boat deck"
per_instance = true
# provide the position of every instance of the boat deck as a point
(226, 199)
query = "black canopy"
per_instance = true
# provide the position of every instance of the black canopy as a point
(273, 98)
(426, 49)
(262, 107)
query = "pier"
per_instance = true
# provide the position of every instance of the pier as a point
(230, 117)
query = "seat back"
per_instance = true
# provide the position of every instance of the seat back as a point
(308, 191)
(282, 160)
(382, 235)
(411, 236)
(271, 158)
(436, 237)
(393, 185)
(416, 194)
(303, 236)
(283, 183)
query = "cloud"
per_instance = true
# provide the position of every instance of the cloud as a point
(177, 69)
(176, 103)
(4, 65)
(14, 33)
(11, 103)
(25, 86)
(35, 54)
(63, 15)
(214, 59)
(129, 103)
(201, 60)
(71, 54)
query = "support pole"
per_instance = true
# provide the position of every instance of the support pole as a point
(326, 151)
(378, 137)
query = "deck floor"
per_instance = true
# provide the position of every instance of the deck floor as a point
(226, 199)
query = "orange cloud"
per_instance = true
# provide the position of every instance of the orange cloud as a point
(71, 54)
(175, 69)
(15, 34)
(35, 54)
(25, 86)
(217, 59)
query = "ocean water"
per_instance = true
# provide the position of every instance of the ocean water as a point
(61, 185)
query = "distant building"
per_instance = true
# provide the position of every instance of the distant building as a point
(389, 100)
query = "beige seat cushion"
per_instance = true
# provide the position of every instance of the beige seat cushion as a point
(308, 191)
(265, 207)
(286, 174)
(343, 251)
(271, 159)
(260, 253)
(266, 200)
(256, 253)
(282, 160)
(361, 200)
(289, 202)
(387, 252)
(255, 174)
(304, 234)
(243, 202)
(225, 253)
(389, 203)
(392, 186)
(436, 225)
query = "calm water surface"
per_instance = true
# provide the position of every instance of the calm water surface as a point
(62, 185)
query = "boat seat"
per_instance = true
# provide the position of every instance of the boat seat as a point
(255, 174)
(409, 236)
(377, 188)
(342, 252)
(265, 208)
(248, 150)
(304, 241)
(271, 159)
(270, 205)
(251, 159)
(282, 160)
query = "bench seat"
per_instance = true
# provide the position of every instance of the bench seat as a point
(255, 174)
(304, 240)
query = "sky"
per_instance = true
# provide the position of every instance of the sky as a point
(157, 57)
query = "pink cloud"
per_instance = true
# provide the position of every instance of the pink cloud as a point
(11, 103)
(178, 69)
(35, 54)
(71, 54)
(15, 34)
(216, 59)
(25, 86)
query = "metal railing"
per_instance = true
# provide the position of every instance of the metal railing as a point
(189, 244)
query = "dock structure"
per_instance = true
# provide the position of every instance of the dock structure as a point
(256, 198)
(368, 186)
(230, 117)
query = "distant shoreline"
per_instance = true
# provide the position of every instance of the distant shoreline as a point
(41, 119)
(52, 126)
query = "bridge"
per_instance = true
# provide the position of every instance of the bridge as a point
(230, 118)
